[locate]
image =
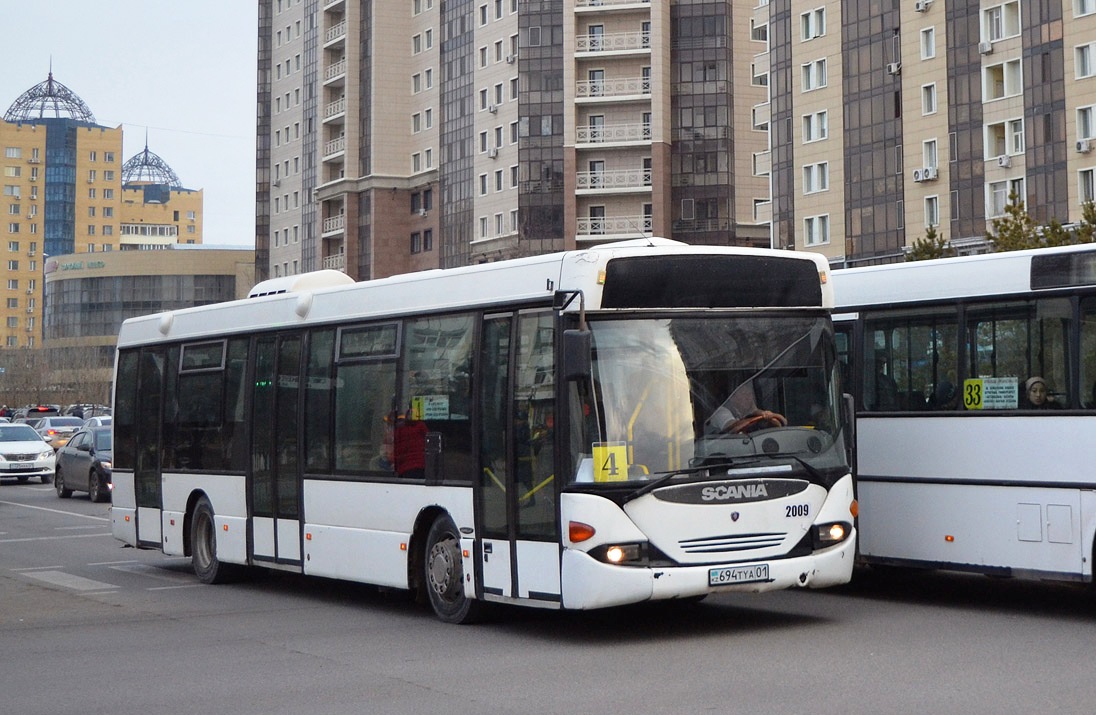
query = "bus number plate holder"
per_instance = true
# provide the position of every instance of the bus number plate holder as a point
(731, 575)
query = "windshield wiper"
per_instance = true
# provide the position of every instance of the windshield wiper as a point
(667, 476)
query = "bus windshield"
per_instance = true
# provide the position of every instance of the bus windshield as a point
(674, 394)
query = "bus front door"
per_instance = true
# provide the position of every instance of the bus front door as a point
(274, 486)
(519, 552)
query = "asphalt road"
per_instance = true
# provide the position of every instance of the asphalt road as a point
(88, 626)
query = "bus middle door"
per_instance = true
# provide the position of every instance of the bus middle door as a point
(274, 486)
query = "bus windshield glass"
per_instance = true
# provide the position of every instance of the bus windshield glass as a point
(675, 395)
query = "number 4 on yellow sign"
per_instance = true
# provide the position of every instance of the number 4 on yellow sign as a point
(610, 461)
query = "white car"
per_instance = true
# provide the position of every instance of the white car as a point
(24, 454)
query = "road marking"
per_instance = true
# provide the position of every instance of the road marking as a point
(56, 511)
(55, 538)
(155, 572)
(76, 583)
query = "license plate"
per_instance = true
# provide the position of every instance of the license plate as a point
(21, 465)
(731, 575)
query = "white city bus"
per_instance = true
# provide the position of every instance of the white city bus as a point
(638, 421)
(957, 467)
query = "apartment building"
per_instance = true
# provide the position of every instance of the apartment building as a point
(400, 136)
(888, 118)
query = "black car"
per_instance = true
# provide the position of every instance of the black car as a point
(84, 464)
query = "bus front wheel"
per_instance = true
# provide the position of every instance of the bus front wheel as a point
(203, 545)
(443, 574)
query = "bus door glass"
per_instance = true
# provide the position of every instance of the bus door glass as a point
(275, 467)
(517, 482)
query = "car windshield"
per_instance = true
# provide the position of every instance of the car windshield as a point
(18, 433)
(672, 394)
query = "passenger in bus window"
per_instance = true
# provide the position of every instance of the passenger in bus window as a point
(886, 389)
(1037, 396)
(944, 397)
(409, 447)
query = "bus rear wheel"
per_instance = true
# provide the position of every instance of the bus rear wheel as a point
(203, 546)
(443, 574)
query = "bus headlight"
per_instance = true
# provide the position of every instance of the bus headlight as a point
(831, 533)
(620, 553)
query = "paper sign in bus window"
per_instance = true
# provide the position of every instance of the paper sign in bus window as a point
(991, 393)
(610, 461)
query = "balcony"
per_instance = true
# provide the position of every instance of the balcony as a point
(614, 227)
(336, 262)
(623, 134)
(616, 42)
(617, 181)
(334, 147)
(334, 225)
(595, 89)
(596, 5)
(335, 33)
(335, 110)
(332, 74)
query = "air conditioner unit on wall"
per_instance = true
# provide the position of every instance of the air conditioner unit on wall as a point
(985, 48)
(928, 173)
(1004, 161)
(921, 6)
(493, 152)
(492, 108)
(894, 67)
(1084, 145)
(918, 175)
(422, 213)
(511, 59)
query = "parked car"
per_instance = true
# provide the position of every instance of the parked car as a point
(101, 421)
(58, 430)
(24, 454)
(84, 465)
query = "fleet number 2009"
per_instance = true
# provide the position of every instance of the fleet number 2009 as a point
(797, 510)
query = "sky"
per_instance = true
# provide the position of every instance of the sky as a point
(183, 71)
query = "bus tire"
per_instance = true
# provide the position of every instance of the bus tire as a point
(443, 574)
(203, 545)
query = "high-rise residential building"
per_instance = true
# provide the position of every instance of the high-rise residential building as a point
(66, 191)
(888, 118)
(398, 136)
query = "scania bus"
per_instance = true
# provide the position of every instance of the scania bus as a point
(975, 384)
(637, 421)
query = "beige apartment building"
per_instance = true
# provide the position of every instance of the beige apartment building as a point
(66, 191)
(402, 136)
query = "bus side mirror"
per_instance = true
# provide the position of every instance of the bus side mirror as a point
(577, 346)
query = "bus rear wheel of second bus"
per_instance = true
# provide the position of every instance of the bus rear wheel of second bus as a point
(203, 545)
(444, 574)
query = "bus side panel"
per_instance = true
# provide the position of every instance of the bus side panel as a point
(123, 508)
(538, 569)
(927, 510)
(227, 495)
(360, 530)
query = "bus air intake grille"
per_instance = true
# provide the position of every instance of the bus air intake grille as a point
(731, 543)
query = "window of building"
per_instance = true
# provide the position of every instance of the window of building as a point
(928, 43)
(1001, 21)
(1001, 80)
(815, 126)
(932, 211)
(928, 99)
(1086, 128)
(813, 75)
(1084, 59)
(816, 177)
(929, 154)
(1084, 7)
(812, 24)
(816, 230)
(1000, 193)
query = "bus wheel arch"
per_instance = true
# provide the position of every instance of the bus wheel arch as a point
(201, 540)
(443, 574)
